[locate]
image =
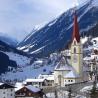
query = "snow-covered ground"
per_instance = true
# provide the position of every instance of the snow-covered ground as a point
(26, 69)
(20, 60)
(27, 72)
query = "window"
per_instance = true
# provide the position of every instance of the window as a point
(74, 42)
(59, 79)
(74, 50)
(11, 90)
(29, 94)
(25, 89)
(68, 80)
(71, 80)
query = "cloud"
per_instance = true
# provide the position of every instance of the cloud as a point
(18, 17)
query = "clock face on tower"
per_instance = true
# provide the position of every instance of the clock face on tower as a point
(75, 58)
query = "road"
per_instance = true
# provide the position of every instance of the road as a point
(75, 88)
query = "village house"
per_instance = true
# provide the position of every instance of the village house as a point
(42, 80)
(29, 91)
(7, 91)
(48, 77)
(36, 82)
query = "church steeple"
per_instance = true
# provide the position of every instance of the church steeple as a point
(76, 48)
(76, 34)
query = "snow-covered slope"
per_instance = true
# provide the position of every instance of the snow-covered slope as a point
(23, 73)
(94, 2)
(31, 70)
(55, 35)
(20, 59)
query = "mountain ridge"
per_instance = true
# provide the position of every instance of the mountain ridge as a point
(8, 40)
(55, 35)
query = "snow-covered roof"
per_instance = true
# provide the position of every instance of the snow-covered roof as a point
(50, 78)
(6, 86)
(34, 80)
(72, 74)
(32, 88)
(39, 62)
(46, 76)
(18, 86)
(83, 40)
(88, 58)
(1, 83)
(63, 65)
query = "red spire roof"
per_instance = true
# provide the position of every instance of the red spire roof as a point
(76, 29)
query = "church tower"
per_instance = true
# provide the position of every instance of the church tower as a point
(76, 49)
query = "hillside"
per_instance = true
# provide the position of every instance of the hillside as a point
(55, 35)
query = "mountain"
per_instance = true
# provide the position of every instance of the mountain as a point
(4, 47)
(11, 57)
(46, 65)
(5, 62)
(8, 40)
(55, 35)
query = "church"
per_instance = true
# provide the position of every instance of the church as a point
(68, 72)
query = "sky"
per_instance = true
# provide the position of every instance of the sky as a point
(19, 17)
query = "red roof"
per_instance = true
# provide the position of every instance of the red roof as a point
(76, 29)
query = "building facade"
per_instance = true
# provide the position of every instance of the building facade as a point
(7, 91)
(29, 92)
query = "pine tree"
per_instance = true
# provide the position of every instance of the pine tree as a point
(94, 93)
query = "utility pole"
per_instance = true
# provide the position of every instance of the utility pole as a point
(55, 92)
(70, 92)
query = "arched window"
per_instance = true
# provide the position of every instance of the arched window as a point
(59, 79)
(74, 50)
(74, 42)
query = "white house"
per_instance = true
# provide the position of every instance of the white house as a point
(7, 91)
(36, 82)
(48, 77)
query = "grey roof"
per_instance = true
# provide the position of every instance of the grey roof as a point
(32, 88)
(63, 65)
(5, 86)
(72, 74)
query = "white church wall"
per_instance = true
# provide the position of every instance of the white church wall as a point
(59, 77)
